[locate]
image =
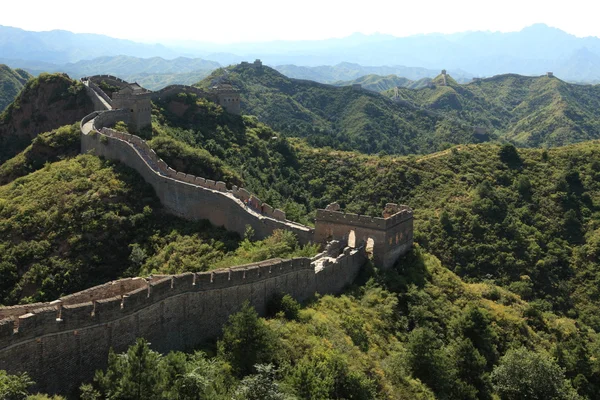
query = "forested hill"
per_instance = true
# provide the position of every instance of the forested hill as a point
(11, 83)
(380, 83)
(45, 103)
(498, 299)
(530, 111)
(340, 117)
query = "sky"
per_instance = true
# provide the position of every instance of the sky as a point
(235, 21)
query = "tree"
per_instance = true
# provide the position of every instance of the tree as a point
(133, 375)
(247, 341)
(14, 387)
(475, 325)
(510, 156)
(204, 379)
(261, 386)
(524, 374)
(471, 369)
(426, 360)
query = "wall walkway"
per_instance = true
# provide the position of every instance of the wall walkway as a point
(60, 344)
(182, 194)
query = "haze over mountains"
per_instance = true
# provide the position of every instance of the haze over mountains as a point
(532, 51)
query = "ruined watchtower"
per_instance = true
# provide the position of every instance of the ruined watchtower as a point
(388, 238)
(137, 100)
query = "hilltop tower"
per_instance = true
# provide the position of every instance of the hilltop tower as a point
(227, 97)
(386, 238)
(137, 100)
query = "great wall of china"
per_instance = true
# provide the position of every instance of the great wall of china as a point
(62, 343)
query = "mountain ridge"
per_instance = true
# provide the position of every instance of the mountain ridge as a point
(531, 51)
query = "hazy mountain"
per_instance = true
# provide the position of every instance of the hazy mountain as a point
(127, 65)
(378, 83)
(531, 51)
(63, 46)
(153, 73)
(349, 71)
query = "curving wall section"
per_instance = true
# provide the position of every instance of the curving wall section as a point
(182, 194)
(60, 344)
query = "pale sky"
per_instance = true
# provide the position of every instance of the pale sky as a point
(264, 20)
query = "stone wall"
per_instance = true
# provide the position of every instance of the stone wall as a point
(95, 97)
(61, 344)
(186, 195)
(99, 91)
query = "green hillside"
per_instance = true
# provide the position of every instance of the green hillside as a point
(520, 219)
(11, 83)
(377, 83)
(529, 111)
(498, 299)
(340, 117)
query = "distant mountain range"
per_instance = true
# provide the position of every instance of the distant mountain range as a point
(531, 51)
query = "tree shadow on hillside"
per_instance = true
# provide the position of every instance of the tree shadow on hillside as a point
(409, 270)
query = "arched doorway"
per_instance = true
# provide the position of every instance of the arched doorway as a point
(352, 239)
(370, 245)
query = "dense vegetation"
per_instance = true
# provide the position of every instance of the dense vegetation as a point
(498, 300)
(340, 117)
(529, 111)
(523, 219)
(11, 83)
(45, 148)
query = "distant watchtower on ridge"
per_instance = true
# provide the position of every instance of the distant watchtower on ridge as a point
(138, 101)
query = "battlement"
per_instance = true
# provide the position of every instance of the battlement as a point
(364, 221)
(83, 320)
(249, 209)
(351, 219)
(105, 303)
(99, 91)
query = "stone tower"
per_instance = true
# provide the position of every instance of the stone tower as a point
(388, 238)
(137, 100)
(227, 97)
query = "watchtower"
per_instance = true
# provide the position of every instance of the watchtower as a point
(387, 238)
(228, 97)
(137, 100)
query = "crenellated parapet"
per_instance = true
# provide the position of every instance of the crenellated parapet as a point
(183, 194)
(174, 312)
